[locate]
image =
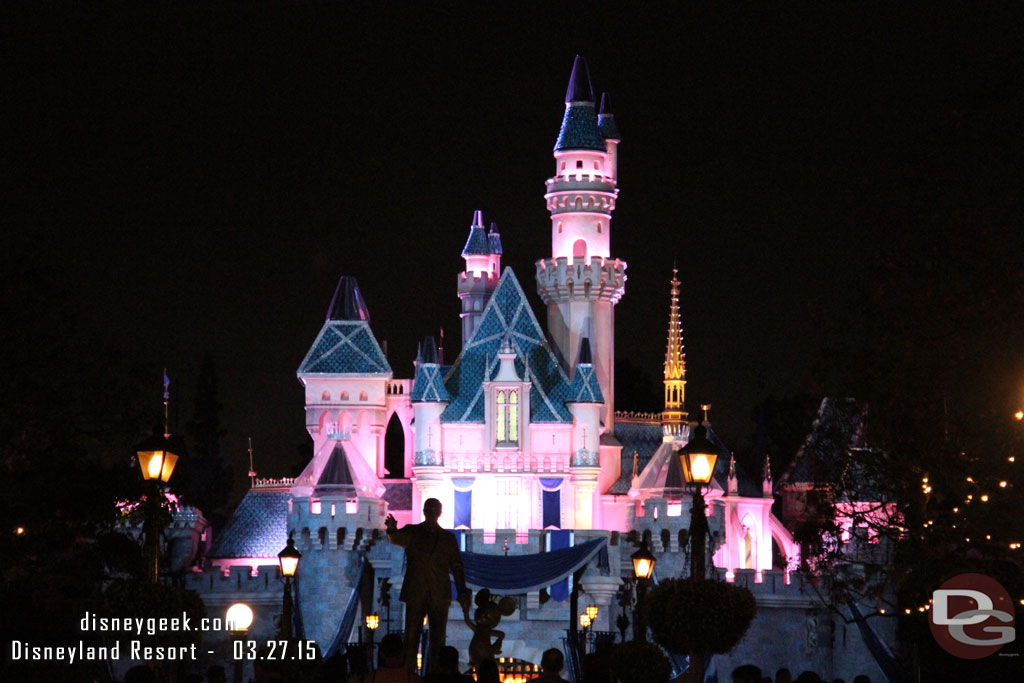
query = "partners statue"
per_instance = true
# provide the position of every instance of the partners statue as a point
(431, 553)
(488, 615)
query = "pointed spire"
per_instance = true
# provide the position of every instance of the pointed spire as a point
(428, 353)
(674, 414)
(347, 302)
(477, 244)
(494, 239)
(580, 89)
(579, 125)
(585, 356)
(606, 120)
(766, 477)
(675, 359)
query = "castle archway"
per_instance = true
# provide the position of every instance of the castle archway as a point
(394, 448)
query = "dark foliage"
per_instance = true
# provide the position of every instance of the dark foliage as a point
(209, 477)
(688, 616)
(636, 662)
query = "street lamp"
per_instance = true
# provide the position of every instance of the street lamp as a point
(592, 612)
(372, 622)
(239, 619)
(698, 458)
(643, 568)
(157, 457)
(289, 561)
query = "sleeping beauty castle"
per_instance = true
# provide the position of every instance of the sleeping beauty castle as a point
(547, 486)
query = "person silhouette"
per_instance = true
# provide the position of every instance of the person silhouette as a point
(431, 553)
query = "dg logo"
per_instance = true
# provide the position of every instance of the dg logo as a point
(972, 616)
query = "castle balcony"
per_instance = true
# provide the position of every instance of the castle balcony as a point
(581, 182)
(600, 279)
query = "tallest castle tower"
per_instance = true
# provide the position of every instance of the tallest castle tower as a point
(581, 283)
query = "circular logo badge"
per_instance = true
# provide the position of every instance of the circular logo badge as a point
(971, 616)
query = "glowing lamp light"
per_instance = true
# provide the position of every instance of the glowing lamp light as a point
(643, 562)
(585, 620)
(592, 612)
(698, 458)
(19, 531)
(239, 617)
(372, 621)
(419, 660)
(1019, 415)
(157, 457)
(289, 558)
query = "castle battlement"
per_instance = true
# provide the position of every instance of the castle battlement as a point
(599, 279)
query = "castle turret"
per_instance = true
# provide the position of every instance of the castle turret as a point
(581, 283)
(673, 417)
(610, 133)
(483, 267)
(585, 402)
(429, 399)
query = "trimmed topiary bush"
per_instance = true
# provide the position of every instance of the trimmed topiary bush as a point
(709, 617)
(636, 662)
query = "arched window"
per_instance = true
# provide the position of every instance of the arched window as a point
(579, 249)
(506, 417)
(326, 396)
(362, 396)
(344, 396)
(747, 543)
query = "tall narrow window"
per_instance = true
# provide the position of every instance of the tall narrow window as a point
(499, 419)
(506, 420)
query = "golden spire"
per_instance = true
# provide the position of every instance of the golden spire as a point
(674, 414)
(675, 359)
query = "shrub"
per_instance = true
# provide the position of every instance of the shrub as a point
(636, 662)
(709, 617)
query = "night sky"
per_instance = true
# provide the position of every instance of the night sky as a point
(197, 177)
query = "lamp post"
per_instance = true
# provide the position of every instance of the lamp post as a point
(157, 457)
(372, 622)
(698, 458)
(289, 561)
(643, 568)
(239, 619)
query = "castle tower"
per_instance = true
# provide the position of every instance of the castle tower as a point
(483, 268)
(673, 417)
(581, 283)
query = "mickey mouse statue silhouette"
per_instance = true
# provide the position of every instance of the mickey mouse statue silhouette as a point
(488, 615)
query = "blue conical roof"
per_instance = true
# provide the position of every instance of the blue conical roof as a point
(579, 124)
(606, 119)
(477, 243)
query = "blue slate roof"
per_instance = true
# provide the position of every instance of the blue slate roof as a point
(606, 120)
(584, 387)
(257, 528)
(830, 448)
(477, 244)
(345, 347)
(494, 239)
(429, 385)
(642, 438)
(579, 129)
(507, 314)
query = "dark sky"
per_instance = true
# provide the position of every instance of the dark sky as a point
(199, 176)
